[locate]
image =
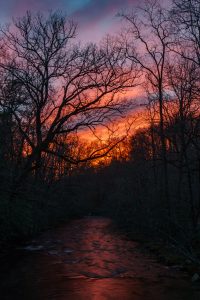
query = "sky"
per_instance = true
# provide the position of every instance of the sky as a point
(95, 18)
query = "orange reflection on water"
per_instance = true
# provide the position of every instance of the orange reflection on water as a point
(87, 260)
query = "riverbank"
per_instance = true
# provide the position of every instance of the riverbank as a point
(166, 253)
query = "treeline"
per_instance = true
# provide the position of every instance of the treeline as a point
(51, 88)
(157, 192)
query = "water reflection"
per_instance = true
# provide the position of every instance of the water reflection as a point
(86, 261)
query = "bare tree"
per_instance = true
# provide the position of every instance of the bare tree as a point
(182, 116)
(64, 88)
(147, 39)
(185, 21)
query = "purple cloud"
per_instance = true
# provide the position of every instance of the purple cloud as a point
(95, 17)
(95, 11)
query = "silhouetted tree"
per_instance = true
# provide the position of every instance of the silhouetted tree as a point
(63, 87)
(148, 32)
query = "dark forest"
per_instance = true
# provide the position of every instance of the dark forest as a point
(53, 89)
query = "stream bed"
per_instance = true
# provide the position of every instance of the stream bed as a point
(87, 260)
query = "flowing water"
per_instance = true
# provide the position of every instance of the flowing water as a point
(86, 260)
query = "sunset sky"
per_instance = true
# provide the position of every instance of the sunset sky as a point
(95, 18)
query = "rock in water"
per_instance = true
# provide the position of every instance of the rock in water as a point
(34, 248)
(195, 277)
